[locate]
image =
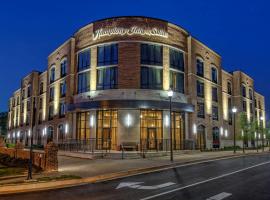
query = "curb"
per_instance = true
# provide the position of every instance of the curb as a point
(30, 187)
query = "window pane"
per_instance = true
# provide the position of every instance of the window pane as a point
(84, 60)
(151, 54)
(176, 59)
(108, 55)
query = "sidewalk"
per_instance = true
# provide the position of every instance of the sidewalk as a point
(92, 171)
(88, 168)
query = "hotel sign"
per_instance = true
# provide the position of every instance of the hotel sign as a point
(134, 30)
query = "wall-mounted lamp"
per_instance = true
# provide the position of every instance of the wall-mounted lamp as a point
(167, 121)
(221, 131)
(226, 133)
(128, 120)
(66, 128)
(194, 129)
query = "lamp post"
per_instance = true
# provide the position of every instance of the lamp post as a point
(261, 118)
(33, 122)
(234, 110)
(170, 95)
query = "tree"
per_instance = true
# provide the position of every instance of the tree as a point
(244, 128)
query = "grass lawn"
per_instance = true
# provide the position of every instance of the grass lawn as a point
(10, 171)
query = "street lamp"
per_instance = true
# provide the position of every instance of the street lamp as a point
(234, 111)
(170, 95)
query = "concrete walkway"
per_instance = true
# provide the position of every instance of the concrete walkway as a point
(87, 168)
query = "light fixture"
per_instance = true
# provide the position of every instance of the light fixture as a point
(170, 93)
(226, 133)
(166, 120)
(8, 136)
(92, 121)
(18, 134)
(259, 135)
(221, 131)
(261, 118)
(128, 120)
(264, 136)
(234, 109)
(194, 129)
(255, 134)
(66, 128)
(29, 133)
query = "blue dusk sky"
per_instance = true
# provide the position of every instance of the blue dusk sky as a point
(30, 30)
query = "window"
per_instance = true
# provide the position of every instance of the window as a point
(244, 106)
(200, 109)
(214, 112)
(39, 118)
(151, 78)
(107, 55)
(251, 108)
(83, 82)
(51, 110)
(200, 89)
(50, 134)
(229, 88)
(151, 54)
(29, 91)
(52, 75)
(28, 105)
(216, 139)
(18, 101)
(41, 88)
(200, 67)
(107, 78)
(244, 91)
(23, 94)
(51, 93)
(84, 60)
(176, 59)
(214, 94)
(22, 110)
(62, 110)
(63, 89)
(177, 81)
(251, 94)
(63, 68)
(214, 74)
(230, 114)
(61, 135)
(40, 103)
(260, 105)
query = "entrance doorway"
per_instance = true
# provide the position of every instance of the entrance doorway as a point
(152, 138)
(200, 140)
(216, 140)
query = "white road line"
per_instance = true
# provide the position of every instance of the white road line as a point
(220, 196)
(205, 181)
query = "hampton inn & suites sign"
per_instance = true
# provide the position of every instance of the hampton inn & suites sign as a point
(134, 30)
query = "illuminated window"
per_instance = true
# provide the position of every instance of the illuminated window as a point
(63, 86)
(244, 93)
(229, 88)
(62, 109)
(51, 93)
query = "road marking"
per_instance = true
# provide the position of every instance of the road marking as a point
(220, 196)
(205, 181)
(136, 185)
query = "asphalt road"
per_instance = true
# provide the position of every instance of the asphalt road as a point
(237, 178)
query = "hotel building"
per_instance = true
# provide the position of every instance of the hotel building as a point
(109, 84)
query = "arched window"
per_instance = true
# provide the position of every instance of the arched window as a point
(50, 134)
(52, 74)
(200, 67)
(214, 74)
(216, 140)
(244, 92)
(61, 133)
(63, 67)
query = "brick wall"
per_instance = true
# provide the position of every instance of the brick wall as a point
(46, 160)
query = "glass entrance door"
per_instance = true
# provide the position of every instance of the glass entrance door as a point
(106, 138)
(152, 138)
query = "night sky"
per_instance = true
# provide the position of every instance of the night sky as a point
(238, 30)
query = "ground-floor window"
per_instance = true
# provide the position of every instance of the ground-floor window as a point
(216, 141)
(107, 129)
(61, 133)
(201, 137)
(151, 129)
(178, 130)
(83, 128)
